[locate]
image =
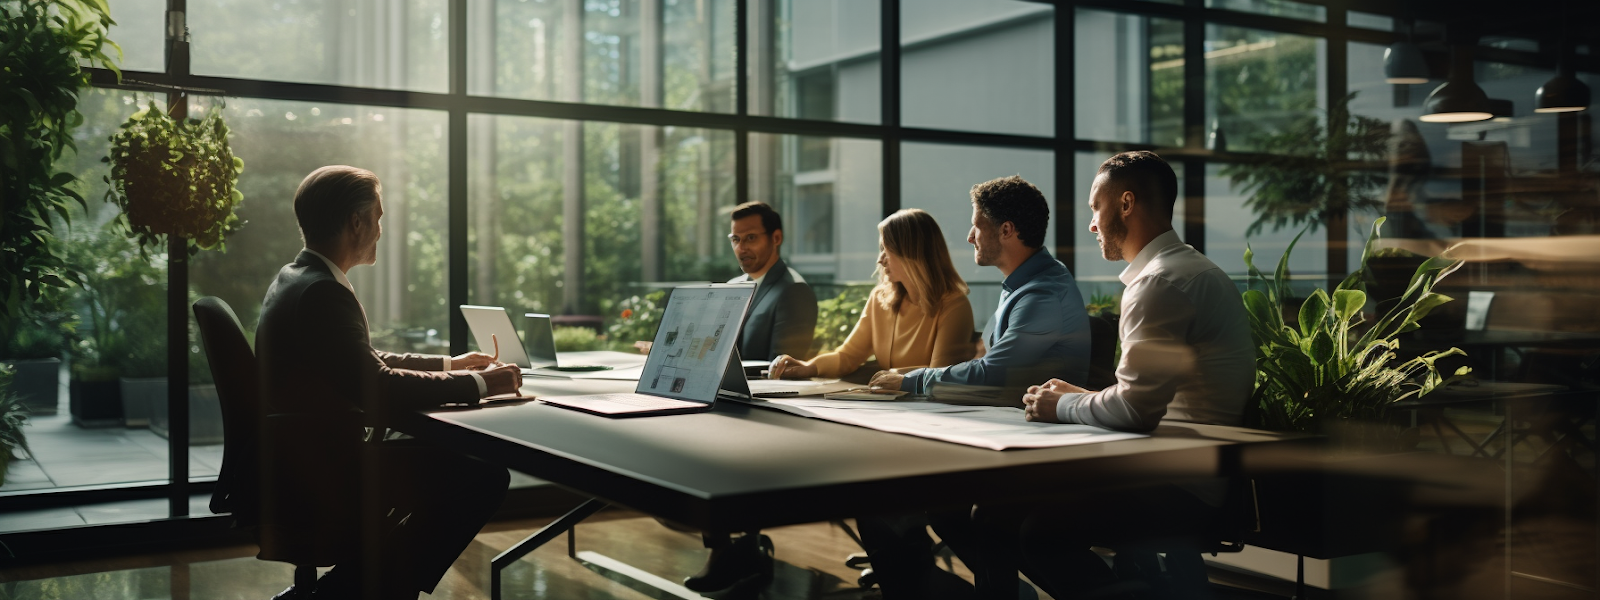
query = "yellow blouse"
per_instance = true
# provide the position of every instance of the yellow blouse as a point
(907, 339)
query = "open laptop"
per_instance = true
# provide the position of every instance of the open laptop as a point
(693, 358)
(540, 338)
(486, 321)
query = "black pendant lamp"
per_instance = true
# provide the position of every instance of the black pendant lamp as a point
(1403, 63)
(1564, 93)
(1459, 100)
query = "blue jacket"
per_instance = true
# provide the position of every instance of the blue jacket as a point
(1039, 331)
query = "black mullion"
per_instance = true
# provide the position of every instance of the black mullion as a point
(1066, 132)
(1194, 116)
(741, 86)
(973, 138)
(1338, 85)
(177, 64)
(456, 200)
(889, 71)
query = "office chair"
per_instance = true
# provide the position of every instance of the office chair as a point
(1102, 352)
(269, 480)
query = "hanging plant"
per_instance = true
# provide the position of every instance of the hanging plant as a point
(175, 177)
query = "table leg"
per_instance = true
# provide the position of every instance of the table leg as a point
(540, 538)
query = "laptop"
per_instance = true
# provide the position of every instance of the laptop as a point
(692, 361)
(491, 327)
(541, 344)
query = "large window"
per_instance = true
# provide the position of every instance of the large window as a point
(1129, 78)
(978, 65)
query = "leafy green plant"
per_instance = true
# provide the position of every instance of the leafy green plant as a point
(1103, 304)
(837, 316)
(47, 332)
(1307, 172)
(123, 304)
(1328, 366)
(42, 47)
(13, 416)
(577, 339)
(636, 320)
(174, 177)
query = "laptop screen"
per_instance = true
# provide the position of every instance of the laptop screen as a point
(698, 331)
(540, 337)
(486, 320)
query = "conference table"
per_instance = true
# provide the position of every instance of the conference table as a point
(742, 467)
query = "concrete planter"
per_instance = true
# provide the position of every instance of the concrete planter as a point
(38, 382)
(138, 397)
(95, 404)
(205, 415)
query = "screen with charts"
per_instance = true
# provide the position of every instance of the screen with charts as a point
(694, 341)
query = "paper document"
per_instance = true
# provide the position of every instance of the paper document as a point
(805, 387)
(992, 427)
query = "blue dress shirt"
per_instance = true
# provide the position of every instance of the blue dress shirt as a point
(1039, 331)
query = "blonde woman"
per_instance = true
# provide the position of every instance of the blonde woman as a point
(917, 316)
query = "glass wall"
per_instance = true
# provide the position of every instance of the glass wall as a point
(829, 191)
(978, 66)
(816, 59)
(1129, 78)
(1260, 85)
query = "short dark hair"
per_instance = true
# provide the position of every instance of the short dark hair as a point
(329, 196)
(1014, 199)
(1146, 175)
(769, 218)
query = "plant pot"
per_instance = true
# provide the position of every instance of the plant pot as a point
(138, 397)
(38, 382)
(95, 403)
(205, 415)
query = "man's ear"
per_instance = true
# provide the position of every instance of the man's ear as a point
(1127, 201)
(777, 238)
(1008, 229)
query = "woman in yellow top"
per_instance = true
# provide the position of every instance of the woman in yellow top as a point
(917, 316)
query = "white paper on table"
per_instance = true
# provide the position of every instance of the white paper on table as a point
(624, 373)
(805, 387)
(992, 427)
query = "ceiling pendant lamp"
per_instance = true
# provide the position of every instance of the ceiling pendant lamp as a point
(1564, 93)
(1459, 100)
(1403, 63)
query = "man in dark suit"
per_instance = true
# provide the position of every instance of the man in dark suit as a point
(783, 314)
(418, 506)
(782, 320)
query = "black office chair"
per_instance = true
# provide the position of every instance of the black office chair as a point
(1102, 352)
(269, 480)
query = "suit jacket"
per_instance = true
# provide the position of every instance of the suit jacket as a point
(316, 357)
(782, 318)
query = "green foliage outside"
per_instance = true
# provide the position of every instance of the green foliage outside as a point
(45, 43)
(174, 177)
(13, 416)
(635, 319)
(578, 339)
(122, 303)
(837, 316)
(1327, 366)
(1104, 304)
(1309, 173)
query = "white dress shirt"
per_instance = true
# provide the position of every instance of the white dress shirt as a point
(1186, 348)
(338, 275)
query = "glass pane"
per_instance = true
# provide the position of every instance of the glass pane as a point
(1356, 18)
(1261, 83)
(939, 178)
(648, 197)
(1129, 78)
(816, 59)
(978, 66)
(675, 54)
(1096, 275)
(395, 45)
(1228, 224)
(404, 293)
(830, 194)
(1277, 8)
(141, 32)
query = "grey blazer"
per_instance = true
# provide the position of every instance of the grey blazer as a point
(782, 318)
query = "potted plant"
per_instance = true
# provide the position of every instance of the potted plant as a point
(34, 348)
(13, 416)
(1332, 367)
(173, 177)
(47, 43)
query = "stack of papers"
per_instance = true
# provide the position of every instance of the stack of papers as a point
(992, 427)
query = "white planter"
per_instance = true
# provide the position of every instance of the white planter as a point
(205, 415)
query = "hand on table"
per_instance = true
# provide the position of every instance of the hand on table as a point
(471, 361)
(789, 367)
(1039, 404)
(502, 378)
(888, 380)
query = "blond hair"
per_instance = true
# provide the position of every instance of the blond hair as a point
(914, 237)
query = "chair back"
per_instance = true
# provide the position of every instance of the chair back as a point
(233, 367)
(1102, 353)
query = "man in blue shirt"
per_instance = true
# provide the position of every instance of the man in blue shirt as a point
(1041, 329)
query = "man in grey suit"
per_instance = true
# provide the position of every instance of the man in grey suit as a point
(781, 320)
(783, 315)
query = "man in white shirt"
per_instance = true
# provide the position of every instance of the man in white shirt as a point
(1186, 355)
